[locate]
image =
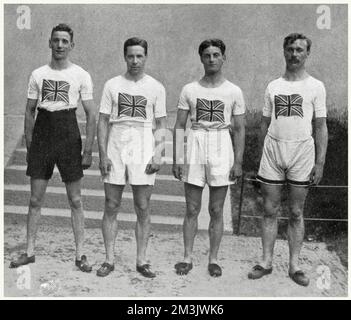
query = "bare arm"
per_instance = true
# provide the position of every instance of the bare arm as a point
(265, 122)
(29, 120)
(321, 150)
(160, 137)
(238, 124)
(90, 112)
(102, 135)
(178, 142)
(89, 108)
(155, 164)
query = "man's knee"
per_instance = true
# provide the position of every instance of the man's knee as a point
(35, 202)
(111, 205)
(216, 211)
(193, 210)
(295, 213)
(75, 202)
(141, 206)
(271, 209)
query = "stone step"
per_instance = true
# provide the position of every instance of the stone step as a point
(92, 202)
(170, 186)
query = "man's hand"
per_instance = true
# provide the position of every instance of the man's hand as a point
(87, 159)
(105, 166)
(316, 174)
(153, 166)
(235, 172)
(177, 170)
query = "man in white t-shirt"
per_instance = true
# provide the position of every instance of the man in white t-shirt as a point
(288, 154)
(53, 137)
(215, 106)
(129, 104)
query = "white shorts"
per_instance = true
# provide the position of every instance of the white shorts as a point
(130, 148)
(289, 162)
(209, 158)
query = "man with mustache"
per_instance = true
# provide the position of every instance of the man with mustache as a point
(290, 154)
(53, 137)
(215, 106)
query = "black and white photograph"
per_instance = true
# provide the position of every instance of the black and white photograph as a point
(175, 150)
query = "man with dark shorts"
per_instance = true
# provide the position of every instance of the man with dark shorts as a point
(215, 106)
(288, 154)
(53, 137)
(129, 104)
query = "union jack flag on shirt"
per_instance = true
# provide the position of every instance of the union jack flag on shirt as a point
(55, 91)
(209, 110)
(287, 106)
(131, 106)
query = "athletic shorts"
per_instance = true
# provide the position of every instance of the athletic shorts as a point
(130, 148)
(56, 140)
(209, 158)
(290, 162)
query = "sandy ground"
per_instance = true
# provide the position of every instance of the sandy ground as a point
(54, 273)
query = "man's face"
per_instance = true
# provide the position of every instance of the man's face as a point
(60, 45)
(135, 58)
(212, 59)
(296, 54)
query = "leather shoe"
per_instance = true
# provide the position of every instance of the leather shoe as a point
(258, 272)
(145, 271)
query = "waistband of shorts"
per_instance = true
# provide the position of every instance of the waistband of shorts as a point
(68, 110)
(200, 126)
(131, 124)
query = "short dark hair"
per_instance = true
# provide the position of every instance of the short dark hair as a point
(135, 42)
(211, 42)
(292, 37)
(63, 27)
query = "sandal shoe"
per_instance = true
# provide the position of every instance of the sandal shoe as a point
(258, 272)
(22, 260)
(105, 269)
(145, 271)
(83, 264)
(215, 270)
(300, 278)
(183, 268)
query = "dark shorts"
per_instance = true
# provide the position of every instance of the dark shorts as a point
(56, 140)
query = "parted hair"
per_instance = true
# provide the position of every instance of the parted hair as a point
(135, 42)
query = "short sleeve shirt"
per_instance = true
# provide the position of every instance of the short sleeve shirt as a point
(291, 106)
(212, 107)
(127, 100)
(60, 89)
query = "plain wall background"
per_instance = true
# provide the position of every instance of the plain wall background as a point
(253, 35)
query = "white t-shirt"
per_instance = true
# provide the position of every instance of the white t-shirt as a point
(291, 105)
(212, 107)
(60, 89)
(127, 100)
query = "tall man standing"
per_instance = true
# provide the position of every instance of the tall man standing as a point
(215, 106)
(54, 138)
(129, 104)
(289, 151)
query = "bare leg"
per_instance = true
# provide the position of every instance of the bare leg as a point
(271, 198)
(142, 194)
(77, 215)
(296, 228)
(193, 196)
(215, 230)
(113, 196)
(38, 188)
